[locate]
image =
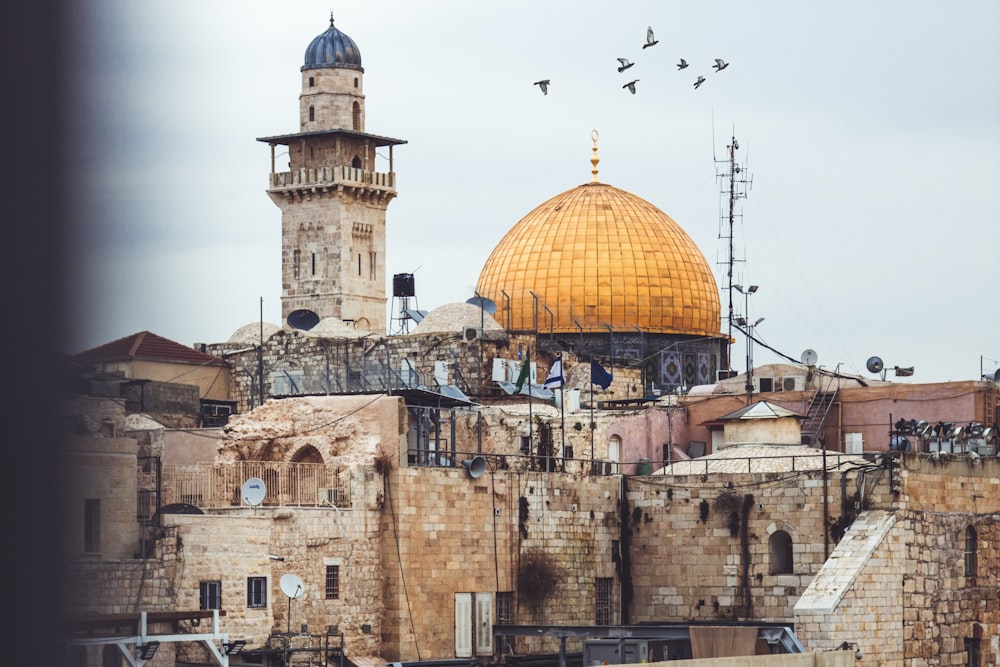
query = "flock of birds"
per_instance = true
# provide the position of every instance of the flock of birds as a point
(625, 63)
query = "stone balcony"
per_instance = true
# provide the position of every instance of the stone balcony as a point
(306, 182)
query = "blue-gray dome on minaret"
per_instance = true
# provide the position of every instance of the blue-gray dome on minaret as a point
(333, 49)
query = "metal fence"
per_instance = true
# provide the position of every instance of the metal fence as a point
(207, 485)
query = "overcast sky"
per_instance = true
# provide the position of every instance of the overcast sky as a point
(870, 130)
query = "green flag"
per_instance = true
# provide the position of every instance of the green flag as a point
(525, 370)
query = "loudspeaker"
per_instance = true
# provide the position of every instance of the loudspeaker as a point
(475, 466)
(875, 365)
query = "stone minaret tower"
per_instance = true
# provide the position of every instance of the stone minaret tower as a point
(332, 198)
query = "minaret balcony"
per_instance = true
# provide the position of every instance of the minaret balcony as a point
(340, 178)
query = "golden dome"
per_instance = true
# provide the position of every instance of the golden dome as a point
(597, 256)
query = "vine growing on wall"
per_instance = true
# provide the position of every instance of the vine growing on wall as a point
(538, 576)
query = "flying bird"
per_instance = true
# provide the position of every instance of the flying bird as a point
(700, 81)
(625, 64)
(650, 40)
(682, 64)
(720, 64)
(544, 85)
(631, 86)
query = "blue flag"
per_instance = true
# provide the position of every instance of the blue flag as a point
(599, 375)
(555, 379)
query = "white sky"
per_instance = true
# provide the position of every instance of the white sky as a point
(871, 132)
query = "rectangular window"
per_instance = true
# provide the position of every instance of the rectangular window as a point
(971, 547)
(332, 582)
(256, 592)
(371, 265)
(505, 616)
(602, 598)
(92, 525)
(210, 595)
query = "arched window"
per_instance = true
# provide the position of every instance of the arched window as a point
(355, 82)
(780, 546)
(971, 547)
(356, 162)
(356, 117)
(312, 113)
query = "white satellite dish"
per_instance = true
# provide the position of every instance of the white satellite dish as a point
(291, 585)
(809, 357)
(253, 491)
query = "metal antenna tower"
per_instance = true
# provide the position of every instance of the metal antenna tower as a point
(734, 185)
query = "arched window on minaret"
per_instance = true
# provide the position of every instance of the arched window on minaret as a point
(359, 263)
(356, 117)
(314, 264)
(356, 162)
(312, 112)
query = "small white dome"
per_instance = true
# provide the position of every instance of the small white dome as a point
(454, 317)
(333, 327)
(251, 333)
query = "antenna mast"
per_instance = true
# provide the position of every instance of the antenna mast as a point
(734, 186)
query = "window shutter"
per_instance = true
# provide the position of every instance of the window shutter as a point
(484, 624)
(463, 625)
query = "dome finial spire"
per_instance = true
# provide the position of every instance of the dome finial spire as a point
(331, 18)
(594, 159)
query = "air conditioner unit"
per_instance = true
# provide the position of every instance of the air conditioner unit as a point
(328, 497)
(793, 383)
(470, 333)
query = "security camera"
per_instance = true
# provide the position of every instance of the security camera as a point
(273, 557)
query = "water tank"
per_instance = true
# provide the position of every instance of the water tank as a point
(402, 284)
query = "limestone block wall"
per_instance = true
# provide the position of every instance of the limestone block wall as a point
(701, 546)
(311, 539)
(858, 595)
(105, 476)
(445, 533)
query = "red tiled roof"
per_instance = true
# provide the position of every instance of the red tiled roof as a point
(147, 346)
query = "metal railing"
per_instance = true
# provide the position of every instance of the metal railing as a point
(207, 485)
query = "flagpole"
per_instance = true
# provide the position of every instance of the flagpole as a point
(591, 425)
(562, 412)
(531, 427)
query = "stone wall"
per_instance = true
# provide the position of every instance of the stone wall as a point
(104, 473)
(445, 533)
(700, 545)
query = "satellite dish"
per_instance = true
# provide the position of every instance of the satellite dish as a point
(253, 491)
(809, 357)
(874, 365)
(291, 585)
(303, 319)
(488, 305)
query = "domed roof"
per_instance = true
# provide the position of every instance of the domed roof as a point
(334, 327)
(597, 256)
(454, 317)
(251, 333)
(332, 49)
